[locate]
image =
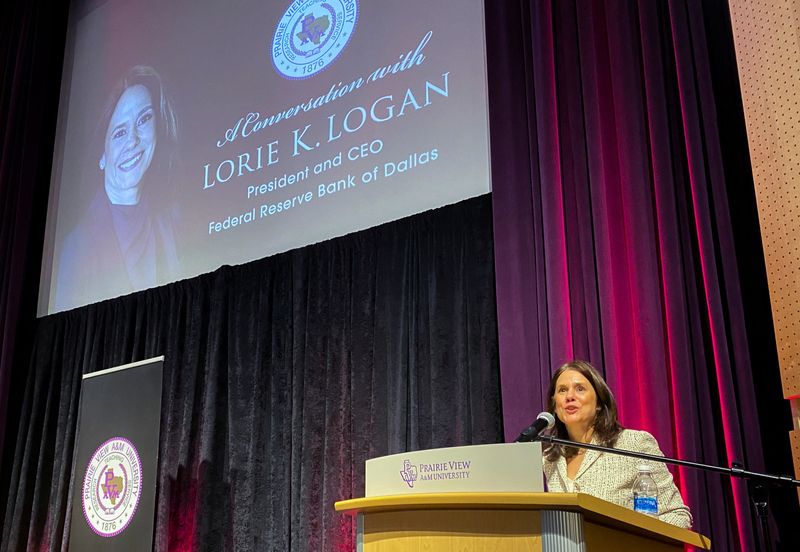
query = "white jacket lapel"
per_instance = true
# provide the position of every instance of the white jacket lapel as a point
(589, 458)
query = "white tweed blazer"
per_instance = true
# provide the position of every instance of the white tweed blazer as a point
(611, 477)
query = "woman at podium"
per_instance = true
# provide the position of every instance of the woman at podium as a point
(586, 412)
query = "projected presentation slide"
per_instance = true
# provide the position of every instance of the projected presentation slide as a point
(196, 133)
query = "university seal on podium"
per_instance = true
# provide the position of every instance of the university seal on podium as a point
(112, 487)
(311, 34)
(409, 473)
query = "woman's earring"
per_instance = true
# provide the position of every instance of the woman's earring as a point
(102, 163)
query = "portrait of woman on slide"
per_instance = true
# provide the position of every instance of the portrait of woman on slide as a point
(125, 239)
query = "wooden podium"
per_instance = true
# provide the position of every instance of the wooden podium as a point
(509, 522)
(488, 498)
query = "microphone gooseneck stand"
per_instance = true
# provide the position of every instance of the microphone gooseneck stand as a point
(756, 482)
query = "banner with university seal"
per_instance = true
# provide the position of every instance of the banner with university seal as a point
(116, 458)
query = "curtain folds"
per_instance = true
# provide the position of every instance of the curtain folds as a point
(31, 52)
(609, 234)
(614, 239)
(281, 378)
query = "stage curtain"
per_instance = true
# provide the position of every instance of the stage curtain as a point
(31, 52)
(281, 377)
(613, 243)
(615, 240)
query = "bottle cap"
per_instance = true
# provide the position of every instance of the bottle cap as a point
(645, 468)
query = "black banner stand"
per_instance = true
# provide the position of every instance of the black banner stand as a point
(116, 459)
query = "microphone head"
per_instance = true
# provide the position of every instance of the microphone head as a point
(549, 418)
(543, 421)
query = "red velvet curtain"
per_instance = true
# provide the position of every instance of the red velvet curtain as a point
(614, 239)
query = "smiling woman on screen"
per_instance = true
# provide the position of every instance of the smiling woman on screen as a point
(586, 412)
(125, 240)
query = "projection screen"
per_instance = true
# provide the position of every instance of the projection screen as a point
(197, 133)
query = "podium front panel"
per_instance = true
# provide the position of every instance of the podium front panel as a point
(451, 531)
(512, 467)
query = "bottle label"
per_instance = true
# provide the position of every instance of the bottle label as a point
(646, 505)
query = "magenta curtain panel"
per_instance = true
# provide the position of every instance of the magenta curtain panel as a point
(613, 236)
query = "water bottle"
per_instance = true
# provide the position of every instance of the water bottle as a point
(645, 492)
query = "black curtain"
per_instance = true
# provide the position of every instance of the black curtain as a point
(32, 38)
(281, 378)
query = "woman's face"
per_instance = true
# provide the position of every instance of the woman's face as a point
(130, 142)
(576, 400)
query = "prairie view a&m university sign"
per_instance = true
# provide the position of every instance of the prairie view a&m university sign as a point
(116, 458)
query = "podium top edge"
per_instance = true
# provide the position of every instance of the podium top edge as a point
(123, 367)
(458, 499)
(594, 508)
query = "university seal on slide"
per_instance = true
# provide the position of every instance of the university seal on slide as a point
(311, 34)
(112, 487)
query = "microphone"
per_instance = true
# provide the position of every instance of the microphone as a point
(543, 421)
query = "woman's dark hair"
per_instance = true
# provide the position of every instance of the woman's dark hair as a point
(164, 159)
(606, 425)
